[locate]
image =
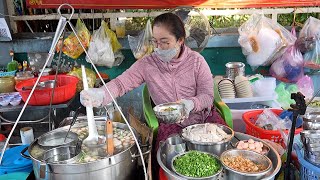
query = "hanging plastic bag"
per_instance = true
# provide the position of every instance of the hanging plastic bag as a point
(91, 77)
(289, 67)
(309, 43)
(100, 49)
(71, 45)
(141, 45)
(305, 86)
(308, 35)
(116, 46)
(262, 40)
(312, 58)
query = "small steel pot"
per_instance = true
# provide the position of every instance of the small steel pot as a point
(56, 138)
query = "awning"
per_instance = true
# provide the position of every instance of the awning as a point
(162, 4)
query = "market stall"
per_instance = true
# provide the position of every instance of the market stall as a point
(96, 148)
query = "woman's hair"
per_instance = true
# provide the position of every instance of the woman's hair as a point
(173, 24)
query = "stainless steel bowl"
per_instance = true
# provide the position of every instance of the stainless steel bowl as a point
(212, 177)
(169, 112)
(311, 121)
(253, 156)
(211, 147)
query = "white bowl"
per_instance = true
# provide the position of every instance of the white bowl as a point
(4, 102)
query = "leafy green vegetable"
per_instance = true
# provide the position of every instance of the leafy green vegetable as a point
(196, 164)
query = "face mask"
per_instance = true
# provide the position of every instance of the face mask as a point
(166, 55)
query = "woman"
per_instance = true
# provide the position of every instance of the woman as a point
(172, 73)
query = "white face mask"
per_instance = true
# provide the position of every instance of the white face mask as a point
(166, 55)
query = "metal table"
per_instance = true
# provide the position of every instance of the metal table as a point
(9, 108)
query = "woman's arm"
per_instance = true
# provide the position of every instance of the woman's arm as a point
(204, 80)
(128, 80)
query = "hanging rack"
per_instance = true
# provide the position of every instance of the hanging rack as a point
(63, 21)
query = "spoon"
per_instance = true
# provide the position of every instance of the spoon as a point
(92, 139)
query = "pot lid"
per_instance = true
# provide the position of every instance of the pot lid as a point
(14, 161)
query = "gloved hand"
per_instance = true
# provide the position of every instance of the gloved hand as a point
(93, 97)
(188, 106)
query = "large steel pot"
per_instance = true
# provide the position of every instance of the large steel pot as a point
(119, 166)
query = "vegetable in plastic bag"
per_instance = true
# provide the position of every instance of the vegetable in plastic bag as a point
(71, 46)
(141, 45)
(262, 40)
(289, 67)
(312, 58)
(91, 77)
(308, 35)
(309, 43)
(100, 49)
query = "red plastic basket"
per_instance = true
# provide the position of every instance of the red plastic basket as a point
(250, 118)
(64, 91)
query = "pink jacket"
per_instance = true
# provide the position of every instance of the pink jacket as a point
(188, 77)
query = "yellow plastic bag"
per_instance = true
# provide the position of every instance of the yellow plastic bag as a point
(116, 46)
(72, 47)
(91, 77)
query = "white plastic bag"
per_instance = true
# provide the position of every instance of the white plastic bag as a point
(262, 40)
(308, 35)
(100, 49)
(141, 45)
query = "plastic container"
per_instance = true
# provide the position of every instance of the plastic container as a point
(64, 91)
(7, 84)
(24, 75)
(10, 73)
(13, 162)
(308, 171)
(250, 118)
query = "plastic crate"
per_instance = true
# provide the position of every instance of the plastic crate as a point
(308, 171)
(250, 118)
(10, 73)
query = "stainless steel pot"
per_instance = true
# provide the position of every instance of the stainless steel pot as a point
(119, 166)
(216, 148)
(311, 121)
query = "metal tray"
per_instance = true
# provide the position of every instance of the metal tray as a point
(273, 155)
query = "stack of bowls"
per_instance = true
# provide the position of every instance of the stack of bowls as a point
(243, 87)
(13, 98)
(310, 137)
(226, 89)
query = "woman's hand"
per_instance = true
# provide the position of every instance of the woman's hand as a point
(188, 107)
(93, 97)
